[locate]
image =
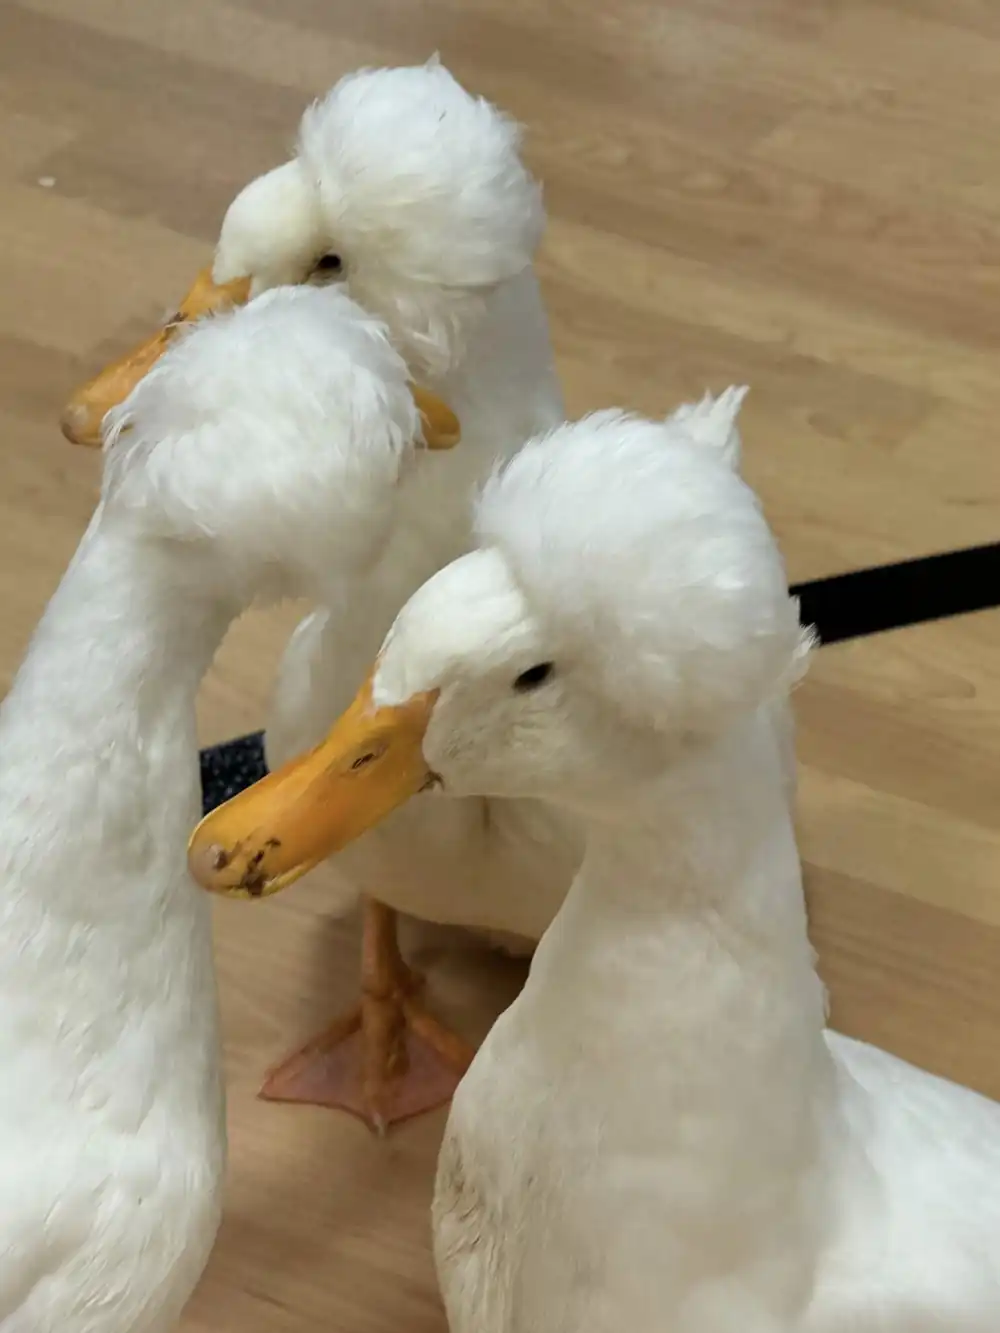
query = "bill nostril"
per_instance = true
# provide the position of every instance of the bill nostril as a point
(368, 757)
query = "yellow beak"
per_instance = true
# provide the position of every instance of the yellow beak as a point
(83, 414)
(442, 429)
(86, 410)
(273, 833)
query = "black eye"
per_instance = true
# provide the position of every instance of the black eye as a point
(330, 265)
(533, 677)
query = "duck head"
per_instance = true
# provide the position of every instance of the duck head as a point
(274, 439)
(405, 192)
(627, 602)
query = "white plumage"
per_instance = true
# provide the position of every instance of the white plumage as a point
(409, 193)
(457, 209)
(660, 1132)
(226, 477)
(417, 189)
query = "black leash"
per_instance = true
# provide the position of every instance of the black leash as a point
(845, 606)
(912, 592)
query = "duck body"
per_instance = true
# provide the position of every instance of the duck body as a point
(112, 1128)
(920, 1252)
(660, 1133)
(111, 1104)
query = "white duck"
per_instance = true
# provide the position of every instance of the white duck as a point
(227, 477)
(410, 194)
(660, 1133)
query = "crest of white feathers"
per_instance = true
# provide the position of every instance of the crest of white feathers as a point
(418, 190)
(423, 188)
(650, 562)
(407, 159)
(276, 426)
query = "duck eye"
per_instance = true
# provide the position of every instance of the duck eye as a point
(533, 677)
(328, 266)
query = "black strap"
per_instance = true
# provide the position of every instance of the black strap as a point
(229, 768)
(912, 592)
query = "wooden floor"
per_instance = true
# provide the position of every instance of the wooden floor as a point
(801, 194)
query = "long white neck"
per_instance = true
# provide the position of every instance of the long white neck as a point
(504, 390)
(682, 955)
(99, 785)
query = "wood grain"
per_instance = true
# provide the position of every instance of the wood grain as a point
(805, 197)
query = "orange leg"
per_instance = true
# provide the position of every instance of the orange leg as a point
(387, 1059)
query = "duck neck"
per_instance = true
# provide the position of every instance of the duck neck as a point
(99, 776)
(684, 944)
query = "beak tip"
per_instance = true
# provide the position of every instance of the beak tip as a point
(205, 862)
(84, 415)
(76, 426)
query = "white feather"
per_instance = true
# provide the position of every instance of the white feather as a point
(660, 1132)
(419, 188)
(287, 422)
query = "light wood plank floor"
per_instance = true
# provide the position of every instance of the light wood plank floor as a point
(802, 194)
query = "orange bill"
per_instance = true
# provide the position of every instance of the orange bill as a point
(441, 426)
(84, 413)
(274, 832)
(86, 410)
